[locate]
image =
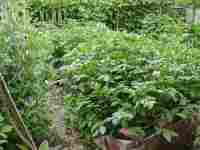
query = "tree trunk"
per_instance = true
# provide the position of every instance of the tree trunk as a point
(194, 7)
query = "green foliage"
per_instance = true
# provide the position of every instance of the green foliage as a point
(116, 79)
(193, 36)
(116, 14)
(23, 63)
(5, 129)
(167, 134)
(25, 73)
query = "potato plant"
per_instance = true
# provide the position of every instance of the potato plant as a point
(117, 79)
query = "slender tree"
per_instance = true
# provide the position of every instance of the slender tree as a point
(194, 7)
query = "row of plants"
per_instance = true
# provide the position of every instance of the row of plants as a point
(119, 79)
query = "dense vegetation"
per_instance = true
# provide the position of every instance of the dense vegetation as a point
(126, 63)
(118, 15)
(129, 77)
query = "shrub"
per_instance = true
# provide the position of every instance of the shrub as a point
(115, 79)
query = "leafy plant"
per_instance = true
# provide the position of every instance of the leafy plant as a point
(119, 80)
(5, 129)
